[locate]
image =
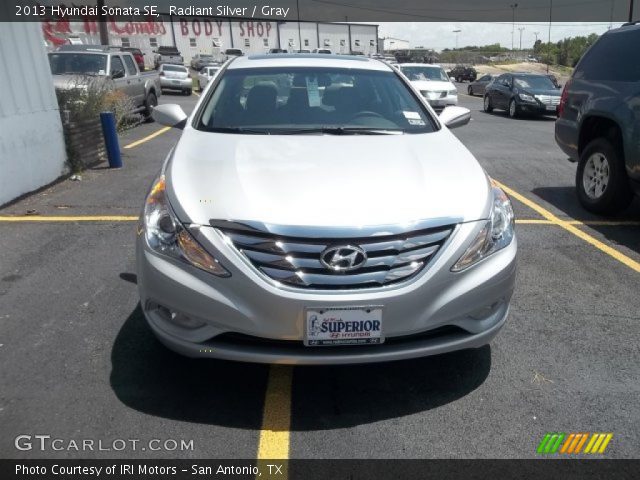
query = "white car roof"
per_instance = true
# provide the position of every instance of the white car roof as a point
(309, 60)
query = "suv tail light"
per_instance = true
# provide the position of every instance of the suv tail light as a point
(564, 97)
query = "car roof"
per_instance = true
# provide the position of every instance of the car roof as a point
(308, 60)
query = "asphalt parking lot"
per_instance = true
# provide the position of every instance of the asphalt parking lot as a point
(79, 361)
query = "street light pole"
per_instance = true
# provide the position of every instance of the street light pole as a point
(549, 41)
(521, 30)
(513, 22)
(102, 24)
(457, 32)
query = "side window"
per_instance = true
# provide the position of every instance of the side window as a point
(116, 64)
(615, 57)
(131, 66)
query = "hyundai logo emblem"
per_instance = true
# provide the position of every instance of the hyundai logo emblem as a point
(343, 258)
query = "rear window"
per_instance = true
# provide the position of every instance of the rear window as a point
(615, 57)
(173, 68)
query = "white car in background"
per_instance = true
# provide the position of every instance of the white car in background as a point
(433, 83)
(206, 74)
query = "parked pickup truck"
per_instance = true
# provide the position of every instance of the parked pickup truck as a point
(167, 55)
(100, 66)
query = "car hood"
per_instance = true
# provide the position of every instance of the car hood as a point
(325, 180)
(432, 85)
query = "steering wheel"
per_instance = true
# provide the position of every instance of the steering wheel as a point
(365, 113)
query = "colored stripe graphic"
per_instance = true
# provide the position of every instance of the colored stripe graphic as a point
(572, 443)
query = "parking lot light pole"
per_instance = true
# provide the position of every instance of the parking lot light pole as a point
(102, 24)
(457, 32)
(513, 22)
(630, 10)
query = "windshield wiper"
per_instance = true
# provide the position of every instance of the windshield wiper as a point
(340, 131)
(254, 131)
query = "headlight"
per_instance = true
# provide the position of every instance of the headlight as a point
(453, 92)
(526, 97)
(165, 234)
(495, 235)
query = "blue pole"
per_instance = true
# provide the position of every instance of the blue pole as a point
(108, 120)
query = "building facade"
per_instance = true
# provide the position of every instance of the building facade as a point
(192, 35)
(392, 44)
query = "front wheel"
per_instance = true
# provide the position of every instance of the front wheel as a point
(513, 109)
(149, 104)
(487, 104)
(470, 90)
(188, 92)
(601, 179)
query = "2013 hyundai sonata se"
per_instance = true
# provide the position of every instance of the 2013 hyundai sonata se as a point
(316, 211)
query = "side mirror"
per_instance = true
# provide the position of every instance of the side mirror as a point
(454, 117)
(170, 115)
(117, 74)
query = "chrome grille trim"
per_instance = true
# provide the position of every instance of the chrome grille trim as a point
(548, 99)
(295, 261)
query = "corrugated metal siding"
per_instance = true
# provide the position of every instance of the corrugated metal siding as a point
(24, 70)
(32, 151)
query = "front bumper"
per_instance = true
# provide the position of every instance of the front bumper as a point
(169, 83)
(537, 108)
(249, 319)
(441, 103)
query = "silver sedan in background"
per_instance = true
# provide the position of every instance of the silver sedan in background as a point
(333, 219)
(175, 77)
(206, 74)
(479, 86)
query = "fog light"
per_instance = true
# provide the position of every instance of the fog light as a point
(185, 321)
(179, 319)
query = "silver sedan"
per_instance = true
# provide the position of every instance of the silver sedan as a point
(301, 219)
(175, 77)
(479, 86)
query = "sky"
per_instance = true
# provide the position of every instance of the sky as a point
(440, 35)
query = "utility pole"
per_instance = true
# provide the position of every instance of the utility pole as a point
(457, 32)
(521, 30)
(631, 10)
(513, 22)
(536, 34)
(102, 25)
(549, 44)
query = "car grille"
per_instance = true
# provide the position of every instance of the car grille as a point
(431, 95)
(548, 99)
(296, 261)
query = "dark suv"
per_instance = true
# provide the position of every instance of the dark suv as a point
(461, 73)
(599, 121)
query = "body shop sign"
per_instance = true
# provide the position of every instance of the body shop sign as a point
(195, 27)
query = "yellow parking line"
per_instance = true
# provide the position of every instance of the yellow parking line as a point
(276, 416)
(568, 226)
(67, 218)
(147, 138)
(196, 94)
(533, 221)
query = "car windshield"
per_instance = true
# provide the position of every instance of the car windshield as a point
(78, 63)
(173, 68)
(534, 83)
(233, 51)
(425, 73)
(299, 100)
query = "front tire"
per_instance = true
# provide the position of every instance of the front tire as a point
(513, 109)
(602, 184)
(470, 91)
(188, 92)
(149, 104)
(487, 104)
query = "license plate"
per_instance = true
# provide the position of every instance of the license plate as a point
(551, 108)
(334, 326)
(176, 82)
